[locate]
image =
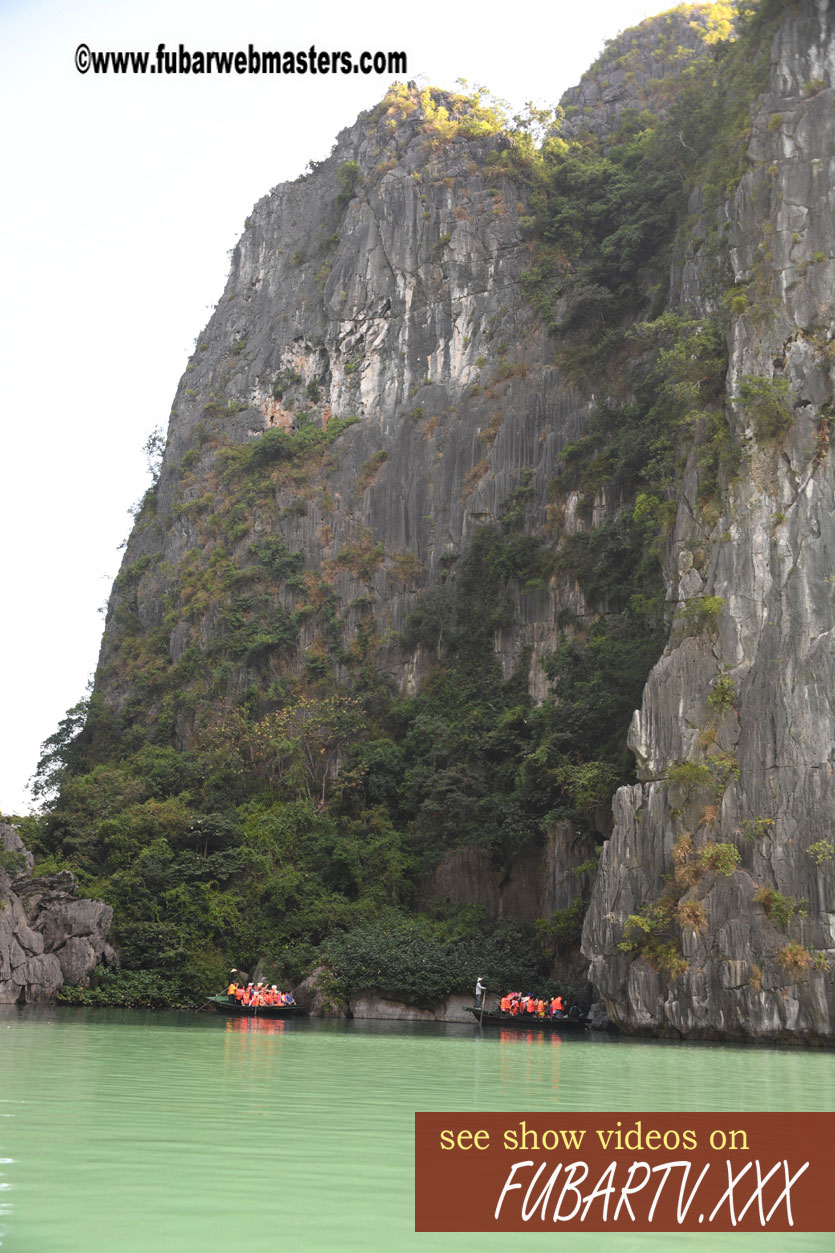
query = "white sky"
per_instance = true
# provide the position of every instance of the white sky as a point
(122, 196)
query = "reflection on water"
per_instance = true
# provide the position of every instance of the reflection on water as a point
(186, 1132)
(541, 1051)
(255, 1024)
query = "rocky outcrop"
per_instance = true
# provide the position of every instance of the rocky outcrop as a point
(317, 995)
(384, 286)
(48, 937)
(735, 736)
(534, 886)
(370, 1005)
(641, 70)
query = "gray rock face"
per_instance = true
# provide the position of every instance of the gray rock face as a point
(369, 1005)
(398, 302)
(11, 842)
(47, 937)
(598, 1018)
(752, 972)
(535, 886)
(315, 994)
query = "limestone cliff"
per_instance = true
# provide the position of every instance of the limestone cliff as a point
(746, 701)
(442, 422)
(385, 287)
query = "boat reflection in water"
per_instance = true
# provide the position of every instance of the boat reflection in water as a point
(528, 1037)
(530, 1058)
(268, 1025)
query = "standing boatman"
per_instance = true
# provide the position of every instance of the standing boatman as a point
(480, 989)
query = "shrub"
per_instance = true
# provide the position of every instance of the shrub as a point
(779, 908)
(723, 858)
(348, 175)
(588, 785)
(12, 863)
(755, 829)
(688, 775)
(129, 988)
(723, 767)
(565, 926)
(406, 568)
(686, 872)
(691, 914)
(766, 403)
(276, 445)
(646, 935)
(821, 851)
(722, 694)
(284, 380)
(702, 613)
(794, 958)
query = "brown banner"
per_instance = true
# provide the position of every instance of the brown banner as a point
(624, 1172)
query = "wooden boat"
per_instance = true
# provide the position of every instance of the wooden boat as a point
(527, 1022)
(226, 1005)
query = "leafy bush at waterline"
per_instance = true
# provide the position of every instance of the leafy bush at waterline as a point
(412, 960)
(129, 989)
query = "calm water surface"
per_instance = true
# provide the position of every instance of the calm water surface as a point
(150, 1133)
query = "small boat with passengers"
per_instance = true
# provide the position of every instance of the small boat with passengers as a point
(528, 1022)
(527, 1012)
(524, 1020)
(228, 1005)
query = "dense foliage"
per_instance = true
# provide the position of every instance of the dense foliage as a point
(270, 832)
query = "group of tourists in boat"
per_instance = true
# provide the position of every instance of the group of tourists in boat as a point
(519, 1009)
(539, 1007)
(257, 995)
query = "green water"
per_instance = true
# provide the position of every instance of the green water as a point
(162, 1132)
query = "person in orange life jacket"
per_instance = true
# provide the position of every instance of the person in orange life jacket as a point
(239, 992)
